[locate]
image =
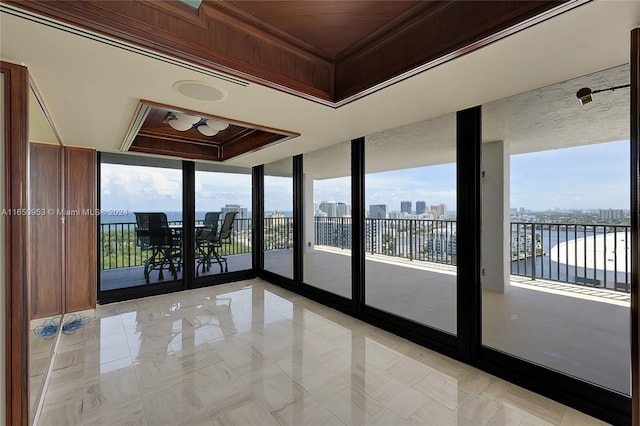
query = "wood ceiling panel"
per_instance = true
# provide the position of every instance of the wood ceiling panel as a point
(332, 52)
(329, 26)
(209, 38)
(443, 32)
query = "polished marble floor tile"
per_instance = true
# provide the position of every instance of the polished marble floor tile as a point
(250, 353)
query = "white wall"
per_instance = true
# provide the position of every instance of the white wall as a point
(2, 260)
(309, 236)
(496, 235)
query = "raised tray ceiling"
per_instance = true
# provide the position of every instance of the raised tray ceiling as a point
(150, 133)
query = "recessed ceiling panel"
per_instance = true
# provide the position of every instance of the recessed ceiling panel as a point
(167, 130)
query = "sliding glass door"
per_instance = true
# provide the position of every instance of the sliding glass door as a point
(140, 235)
(278, 218)
(556, 229)
(223, 225)
(143, 231)
(327, 253)
(410, 222)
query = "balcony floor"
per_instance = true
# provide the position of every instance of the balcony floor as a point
(133, 276)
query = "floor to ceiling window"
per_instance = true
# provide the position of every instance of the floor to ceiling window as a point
(410, 224)
(278, 218)
(140, 238)
(556, 229)
(224, 228)
(327, 251)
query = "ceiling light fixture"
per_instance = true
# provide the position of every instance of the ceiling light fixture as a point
(183, 122)
(191, 119)
(206, 130)
(178, 124)
(217, 124)
(584, 95)
(212, 127)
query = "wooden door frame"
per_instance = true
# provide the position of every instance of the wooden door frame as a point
(16, 98)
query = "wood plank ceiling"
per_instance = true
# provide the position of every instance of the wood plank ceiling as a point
(329, 51)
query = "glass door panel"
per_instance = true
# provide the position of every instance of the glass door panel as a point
(223, 221)
(410, 225)
(140, 222)
(556, 230)
(327, 254)
(278, 218)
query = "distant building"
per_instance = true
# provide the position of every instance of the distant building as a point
(421, 207)
(241, 210)
(242, 213)
(378, 211)
(329, 207)
(438, 211)
(400, 215)
(275, 215)
(405, 207)
(343, 209)
(333, 209)
(611, 214)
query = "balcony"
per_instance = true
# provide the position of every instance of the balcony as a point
(551, 283)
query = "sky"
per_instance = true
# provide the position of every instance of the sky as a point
(586, 177)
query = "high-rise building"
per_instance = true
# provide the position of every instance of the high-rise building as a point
(421, 207)
(242, 213)
(378, 211)
(343, 209)
(405, 206)
(438, 210)
(611, 214)
(241, 210)
(329, 207)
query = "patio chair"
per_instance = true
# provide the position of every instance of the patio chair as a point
(153, 234)
(210, 244)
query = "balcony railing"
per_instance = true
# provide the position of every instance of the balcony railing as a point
(582, 254)
(595, 255)
(413, 239)
(278, 233)
(120, 249)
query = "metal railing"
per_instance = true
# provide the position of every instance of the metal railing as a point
(582, 254)
(119, 247)
(278, 233)
(413, 239)
(595, 255)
